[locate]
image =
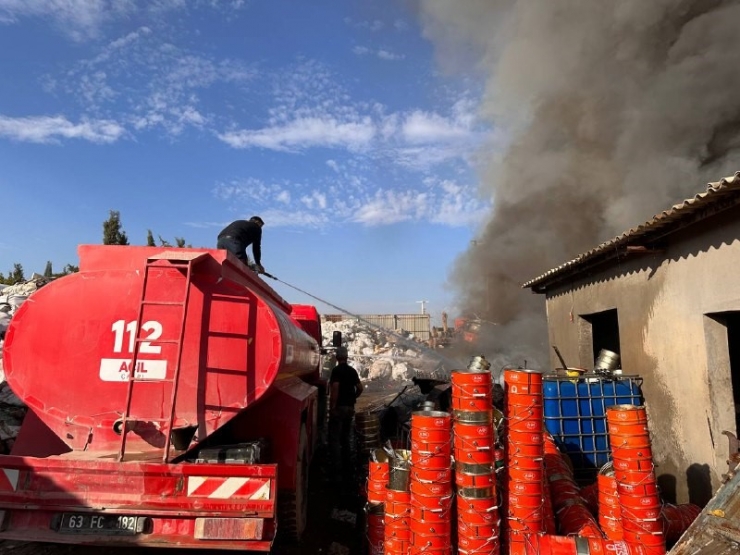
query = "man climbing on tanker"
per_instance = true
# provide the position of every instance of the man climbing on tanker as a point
(238, 235)
(345, 387)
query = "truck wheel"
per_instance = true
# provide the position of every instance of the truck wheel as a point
(293, 507)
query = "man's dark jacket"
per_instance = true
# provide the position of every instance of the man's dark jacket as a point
(245, 232)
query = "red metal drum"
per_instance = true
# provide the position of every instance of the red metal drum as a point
(522, 475)
(527, 500)
(633, 477)
(431, 435)
(526, 438)
(626, 413)
(639, 510)
(243, 329)
(433, 502)
(431, 461)
(644, 489)
(473, 457)
(628, 428)
(474, 444)
(439, 476)
(618, 441)
(465, 480)
(471, 403)
(375, 533)
(473, 431)
(429, 448)
(523, 401)
(638, 465)
(430, 420)
(477, 544)
(396, 546)
(480, 531)
(429, 489)
(427, 529)
(473, 417)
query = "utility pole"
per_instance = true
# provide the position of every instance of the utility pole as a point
(423, 306)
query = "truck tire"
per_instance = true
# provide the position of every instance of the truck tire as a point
(293, 506)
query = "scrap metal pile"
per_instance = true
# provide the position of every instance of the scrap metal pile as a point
(467, 485)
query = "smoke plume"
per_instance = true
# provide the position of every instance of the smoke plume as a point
(611, 112)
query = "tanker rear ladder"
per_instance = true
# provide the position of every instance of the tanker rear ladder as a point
(183, 261)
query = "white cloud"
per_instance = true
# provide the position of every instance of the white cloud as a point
(80, 19)
(49, 129)
(382, 53)
(315, 200)
(388, 55)
(305, 133)
(426, 127)
(283, 196)
(333, 165)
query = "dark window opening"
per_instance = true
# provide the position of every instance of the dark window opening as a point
(733, 346)
(604, 331)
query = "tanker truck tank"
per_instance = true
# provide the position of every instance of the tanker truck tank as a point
(151, 340)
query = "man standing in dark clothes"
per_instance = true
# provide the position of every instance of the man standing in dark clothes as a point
(345, 387)
(238, 235)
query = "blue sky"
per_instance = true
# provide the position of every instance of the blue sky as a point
(329, 119)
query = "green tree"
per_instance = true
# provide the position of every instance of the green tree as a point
(16, 275)
(113, 233)
(48, 271)
(163, 242)
(180, 242)
(150, 239)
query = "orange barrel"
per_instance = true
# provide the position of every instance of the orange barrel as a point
(467, 456)
(378, 475)
(590, 495)
(526, 381)
(374, 529)
(548, 513)
(471, 403)
(610, 514)
(397, 515)
(677, 518)
(547, 545)
(627, 414)
(478, 545)
(600, 546)
(640, 510)
(472, 385)
(431, 439)
(395, 546)
(471, 480)
(473, 416)
(477, 511)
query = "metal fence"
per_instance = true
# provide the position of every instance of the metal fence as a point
(417, 324)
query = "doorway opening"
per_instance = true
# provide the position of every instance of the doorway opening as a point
(604, 332)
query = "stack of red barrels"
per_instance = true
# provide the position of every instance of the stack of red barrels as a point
(398, 505)
(637, 487)
(431, 483)
(524, 457)
(610, 514)
(478, 523)
(375, 527)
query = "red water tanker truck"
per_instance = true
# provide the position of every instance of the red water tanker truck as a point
(172, 402)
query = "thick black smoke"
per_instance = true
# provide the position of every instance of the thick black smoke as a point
(612, 112)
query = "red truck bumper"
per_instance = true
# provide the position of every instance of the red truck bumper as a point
(101, 502)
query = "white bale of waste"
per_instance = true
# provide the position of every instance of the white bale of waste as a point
(381, 369)
(401, 372)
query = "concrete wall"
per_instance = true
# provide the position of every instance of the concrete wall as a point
(667, 336)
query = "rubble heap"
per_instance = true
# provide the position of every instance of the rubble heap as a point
(382, 355)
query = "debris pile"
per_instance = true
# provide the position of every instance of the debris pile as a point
(382, 355)
(12, 409)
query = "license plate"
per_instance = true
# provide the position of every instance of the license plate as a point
(77, 523)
